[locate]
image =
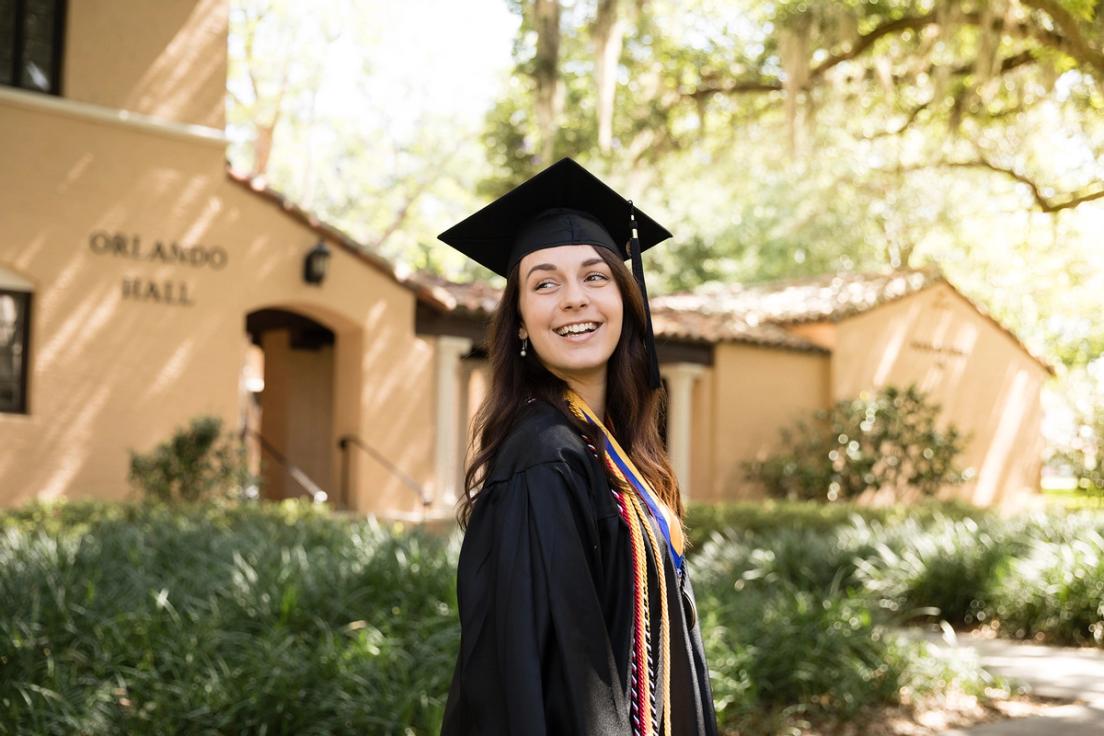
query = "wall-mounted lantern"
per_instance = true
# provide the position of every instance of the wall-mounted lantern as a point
(315, 264)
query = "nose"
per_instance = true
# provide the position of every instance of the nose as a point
(573, 295)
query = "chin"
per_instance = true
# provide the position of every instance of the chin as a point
(582, 363)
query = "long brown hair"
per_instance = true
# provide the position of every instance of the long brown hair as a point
(632, 408)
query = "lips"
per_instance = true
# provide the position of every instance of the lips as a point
(577, 329)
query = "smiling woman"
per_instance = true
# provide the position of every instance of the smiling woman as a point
(571, 310)
(576, 610)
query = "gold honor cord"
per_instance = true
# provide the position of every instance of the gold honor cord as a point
(637, 516)
(643, 711)
(674, 526)
(658, 552)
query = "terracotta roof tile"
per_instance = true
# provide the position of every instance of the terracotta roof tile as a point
(476, 297)
(830, 297)
(675, 324)
(758, 314)
(678, 325)
(813, 299)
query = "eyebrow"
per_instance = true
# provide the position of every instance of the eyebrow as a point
(550, 267)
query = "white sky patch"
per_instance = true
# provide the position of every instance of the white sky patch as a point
(426, 58)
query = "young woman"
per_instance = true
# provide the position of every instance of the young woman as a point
(576, 612)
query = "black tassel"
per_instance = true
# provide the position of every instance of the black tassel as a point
(638, 272)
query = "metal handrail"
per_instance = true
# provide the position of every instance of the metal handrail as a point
(352, 439)
(311, 488)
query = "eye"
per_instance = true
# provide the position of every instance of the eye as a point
(599, 274)
(539, 284)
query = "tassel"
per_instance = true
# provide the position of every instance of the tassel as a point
(638, 272)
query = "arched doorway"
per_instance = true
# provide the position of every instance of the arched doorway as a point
(288, 403)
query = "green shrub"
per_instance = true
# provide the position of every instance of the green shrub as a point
(947, 568)
(928, 669)
(198, 462)
(885, 440)
(791, 632)
(782, 648)
(801, 558)
(769, 515)
(1055, 590)
(821, 651)
(252, 619)
(281, 618)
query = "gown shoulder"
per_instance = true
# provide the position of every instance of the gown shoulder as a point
(542, 434)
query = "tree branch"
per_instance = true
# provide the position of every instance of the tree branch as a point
(1045, 203)
(1073, 41)
(912, 117)
(420, 187)
(866, 40)
(1070, 41)
(772, 84)
(734, 87)
(1007, 64)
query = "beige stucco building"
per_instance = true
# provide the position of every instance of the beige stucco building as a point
(141, 285)
(871, 330)
(150, 272)
(741, 363)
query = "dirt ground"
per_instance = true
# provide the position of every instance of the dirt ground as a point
(927, 717)
(936, 715)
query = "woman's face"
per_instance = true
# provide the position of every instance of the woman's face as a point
(571, 310)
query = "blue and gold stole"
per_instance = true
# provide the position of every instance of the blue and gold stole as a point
(638, 505)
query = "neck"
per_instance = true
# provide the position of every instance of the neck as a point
(592, 390)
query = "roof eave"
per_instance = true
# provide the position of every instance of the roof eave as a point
(434, 296)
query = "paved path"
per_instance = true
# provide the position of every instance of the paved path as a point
(1055, 672)
(1068, 720)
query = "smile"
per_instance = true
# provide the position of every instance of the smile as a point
(578, 328)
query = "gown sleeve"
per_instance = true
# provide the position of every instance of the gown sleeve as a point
(535, 653)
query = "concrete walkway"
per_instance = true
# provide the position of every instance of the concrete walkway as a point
(1068, 673)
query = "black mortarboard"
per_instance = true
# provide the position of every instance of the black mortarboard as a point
(562, 205)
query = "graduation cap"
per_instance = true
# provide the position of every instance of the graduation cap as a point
(562, 205)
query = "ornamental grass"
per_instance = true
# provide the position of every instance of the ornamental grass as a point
(259, 619)
(286, 619)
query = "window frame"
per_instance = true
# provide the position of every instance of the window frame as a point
(19, 47)
(23, 405)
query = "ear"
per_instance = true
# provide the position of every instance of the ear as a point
(522, 333)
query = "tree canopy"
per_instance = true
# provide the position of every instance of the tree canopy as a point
(775, 138)
(804, 136)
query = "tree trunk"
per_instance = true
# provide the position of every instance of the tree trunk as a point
(547, 74)
(609, 31)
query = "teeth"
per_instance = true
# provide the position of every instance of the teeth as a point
(577, 329)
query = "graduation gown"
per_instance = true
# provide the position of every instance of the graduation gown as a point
(544, 582)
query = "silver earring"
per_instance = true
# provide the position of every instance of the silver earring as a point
(524, 343)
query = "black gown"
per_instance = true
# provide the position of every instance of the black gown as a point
(545, 587)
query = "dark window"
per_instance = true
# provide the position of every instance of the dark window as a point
(15, 313)
(31, 35)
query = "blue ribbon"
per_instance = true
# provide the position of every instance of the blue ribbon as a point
(658, 515)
